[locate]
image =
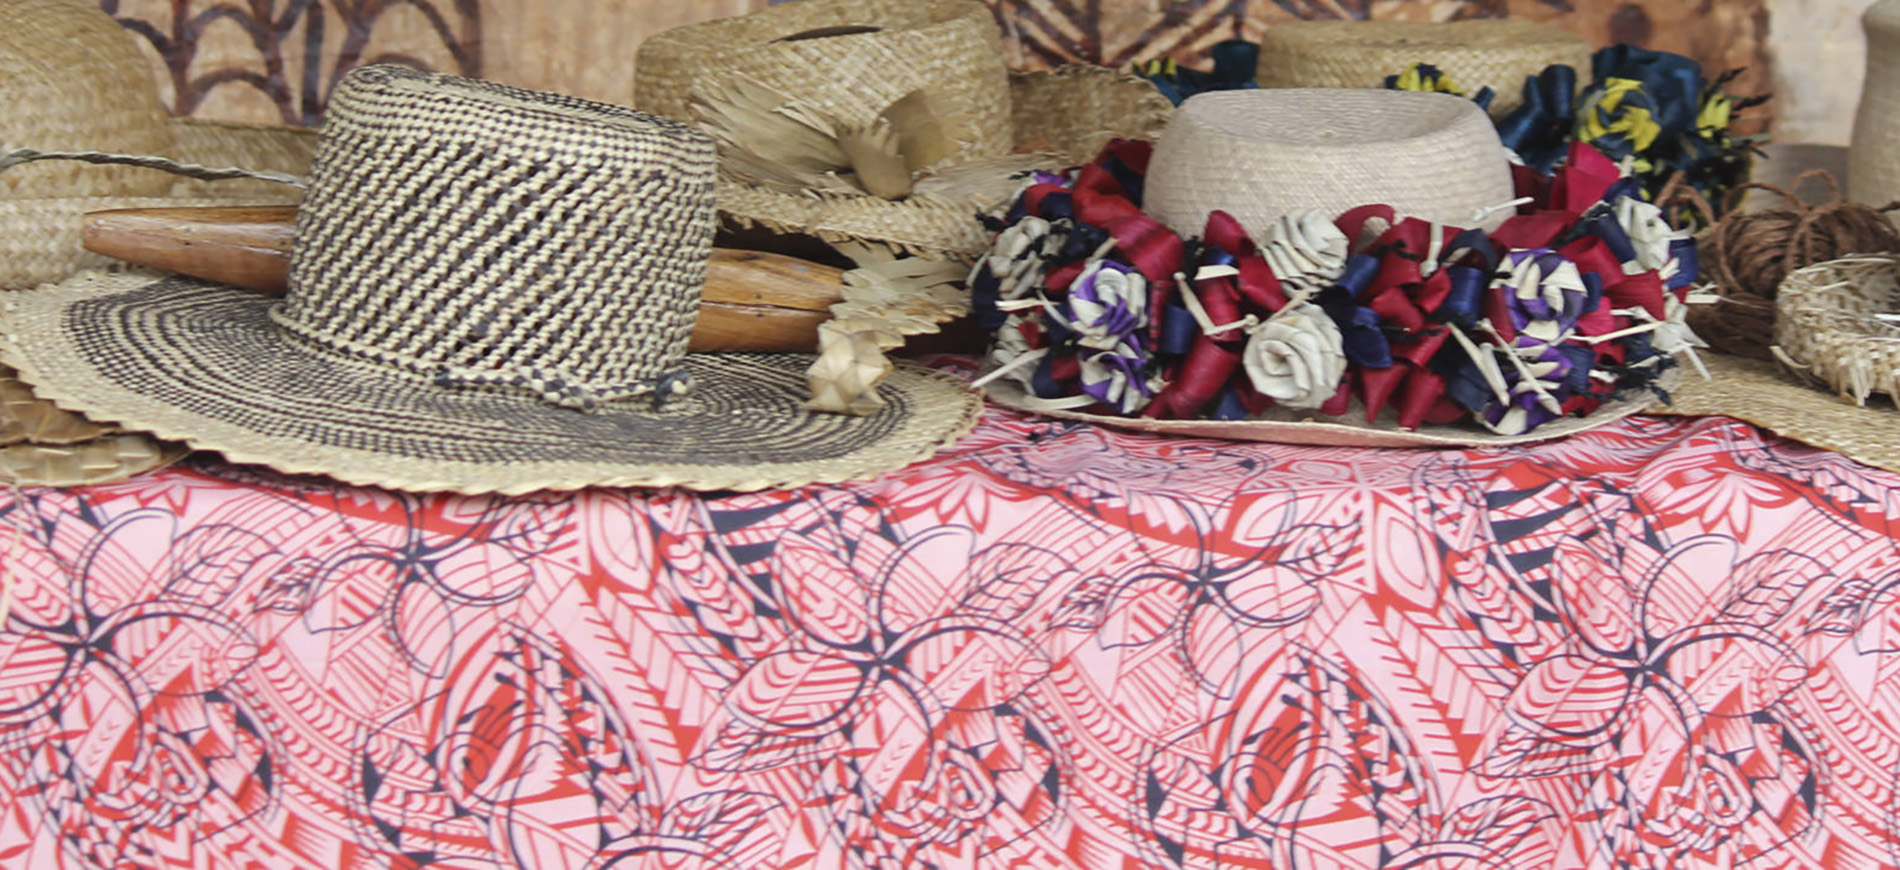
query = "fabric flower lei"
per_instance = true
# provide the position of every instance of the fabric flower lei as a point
(1650, 109)
(1575, 300)
(1235, 62)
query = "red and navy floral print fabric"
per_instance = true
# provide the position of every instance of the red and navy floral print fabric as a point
(1665, 643)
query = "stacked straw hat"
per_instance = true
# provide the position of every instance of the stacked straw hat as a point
(74, 79)
(1498, 53)
(887, 123)
(491, 290)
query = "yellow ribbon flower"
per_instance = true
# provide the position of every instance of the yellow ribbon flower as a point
(1615, 111)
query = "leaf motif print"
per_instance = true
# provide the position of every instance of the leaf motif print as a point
(1769, 583)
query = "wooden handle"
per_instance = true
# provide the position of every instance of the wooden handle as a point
(752, 300)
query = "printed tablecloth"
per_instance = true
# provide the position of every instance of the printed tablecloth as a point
(1667, 643)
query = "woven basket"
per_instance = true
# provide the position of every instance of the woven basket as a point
(850, 58)
(1827, 325)
(1495, 53)
(1260, 154)
(1873, 163)
(75, 80)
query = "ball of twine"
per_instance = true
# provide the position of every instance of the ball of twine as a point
(1747, 254)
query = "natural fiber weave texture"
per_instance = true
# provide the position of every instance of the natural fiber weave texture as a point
(1873, 162)
(1747, 255)
(1076, 110)
(74, 80)
(948, 49)
(1259, 154)
(42, 445)
(519, 239)
(252, 146)
(491, 290)
(849, 58)
(27, 418)
(1827, 326)
(1765, 394)
(1284, 425)
(108, 459)
(1496, 53)
(222, 377)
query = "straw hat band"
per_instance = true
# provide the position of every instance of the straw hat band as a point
(561, 241)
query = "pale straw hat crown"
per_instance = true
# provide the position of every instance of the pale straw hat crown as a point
(1260, 154)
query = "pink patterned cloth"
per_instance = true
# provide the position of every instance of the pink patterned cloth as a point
(1666, 643)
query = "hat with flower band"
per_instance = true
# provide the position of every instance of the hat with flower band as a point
(491, 289)
(1365, 327)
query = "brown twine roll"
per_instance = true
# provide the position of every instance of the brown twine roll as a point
(1747, 254)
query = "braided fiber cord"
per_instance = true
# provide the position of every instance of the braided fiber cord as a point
(17, 156)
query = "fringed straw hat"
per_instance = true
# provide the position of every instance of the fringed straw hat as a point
(1837, 329)
(75, 80)
(1495, 53)
(492, 290)
(888, 123)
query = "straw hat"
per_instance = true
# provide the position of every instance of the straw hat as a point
(1767, 395)
(491, 290)
(1827, 339)
(828, 87)
(41, 445)
(1498, 53)
(1873, 163)
(1831, 324)
(1260, 154)
(1154, 291)
(74, 79)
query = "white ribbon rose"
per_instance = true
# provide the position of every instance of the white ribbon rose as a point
(1649, 233)
(1305, 250)
(1298, 357)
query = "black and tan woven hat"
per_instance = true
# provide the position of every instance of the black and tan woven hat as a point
(492, 290)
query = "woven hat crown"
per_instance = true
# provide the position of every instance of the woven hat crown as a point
(487, 235)
(1261, 154)
(73, 78)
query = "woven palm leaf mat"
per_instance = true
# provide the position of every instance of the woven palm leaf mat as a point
(1765, 394)
(41, 445)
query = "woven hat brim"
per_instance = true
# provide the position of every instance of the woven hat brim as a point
(107, 459)
(1288, 426)
(1074, 109)
(196, 362)
(1766, 395)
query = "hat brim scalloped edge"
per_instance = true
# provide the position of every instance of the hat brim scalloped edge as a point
(940, 408)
